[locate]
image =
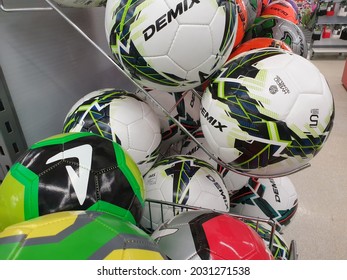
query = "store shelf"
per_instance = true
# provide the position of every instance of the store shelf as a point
(333, 44)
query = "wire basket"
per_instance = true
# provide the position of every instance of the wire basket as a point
(258, 222)
(52, 7)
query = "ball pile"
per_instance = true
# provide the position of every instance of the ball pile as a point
(124, 179)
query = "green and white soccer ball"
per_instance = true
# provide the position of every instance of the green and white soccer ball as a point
(122, 117)
(183, 180)
(267, 112)
(170, 45)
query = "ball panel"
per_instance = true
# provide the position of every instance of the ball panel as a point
(199, 50)
(14, 205)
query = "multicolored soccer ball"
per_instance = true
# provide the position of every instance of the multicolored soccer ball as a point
(182, 180)
(77, 235)
(266, 198)
(261, 116)
(170, 45)
(72, 171)
(207, 235)
(122, 117)
(282, 9)
(242, 20)
(254, 8)
(280, 29)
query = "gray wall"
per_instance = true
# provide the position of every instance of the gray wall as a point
(48, 65)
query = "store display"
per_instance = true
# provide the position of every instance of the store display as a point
(342, 10)
(328, 27)
(228, 73)
(331, 8)
(120, 116)
(72, 171)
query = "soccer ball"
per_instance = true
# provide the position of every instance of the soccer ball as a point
(266, 198)
(254, 8)
(261, 116)
(242, 21)
(182, 180)
(283, 9)
(259, 43)
(182, 106)
(72, 171)
(232, 180)
(280, 29)
(81, 3)
(294, 5)
(122, 117)
(170, 45)
(77, 235)
(280, 249)
(207, 235)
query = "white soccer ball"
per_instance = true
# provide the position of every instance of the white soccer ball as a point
(170, 45)
(266, 198)
(182, 106)
(261, 116)
(81, 3)
(182, 180)
(232, 180)
(122, 117)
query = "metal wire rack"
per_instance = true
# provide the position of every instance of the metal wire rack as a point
(53, 7)
(259, 223)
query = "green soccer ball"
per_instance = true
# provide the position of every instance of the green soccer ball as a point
(72, 171)
(77, 235)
